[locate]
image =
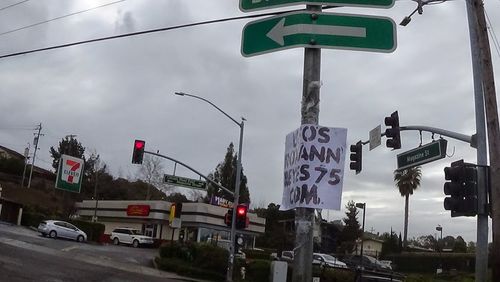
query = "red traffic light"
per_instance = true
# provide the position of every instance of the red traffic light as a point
(241, 210)
(139, 144)
(138, 153)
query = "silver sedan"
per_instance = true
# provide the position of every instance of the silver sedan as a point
(57, 228)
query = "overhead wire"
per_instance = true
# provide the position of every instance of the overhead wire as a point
(492, 34)
(61, 17)
(149, 31)
(12, 5)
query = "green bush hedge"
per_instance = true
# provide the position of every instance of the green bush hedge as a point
(258, 270)
(429, 262)
(32, 218)
(254, 254)
(180, 267)
(93, 230)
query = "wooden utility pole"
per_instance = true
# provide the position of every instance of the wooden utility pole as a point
(488, 84)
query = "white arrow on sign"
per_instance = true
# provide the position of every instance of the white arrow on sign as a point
(279, 31)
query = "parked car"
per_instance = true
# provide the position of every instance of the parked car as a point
(287, 256)
(130, 236)
(57, 228)
(386, 263)
(328, 260)
(369, 263)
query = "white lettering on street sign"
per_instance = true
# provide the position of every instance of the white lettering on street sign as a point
(279, 31)
(314, 167)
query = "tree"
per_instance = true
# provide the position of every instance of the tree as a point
(177, 198)
(151, 171)
(460, 245)
(407, 181)
(225, 175)
(352, 229)
(68, 146)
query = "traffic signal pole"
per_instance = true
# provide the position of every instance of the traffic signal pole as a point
(481, 267)
(304, 217)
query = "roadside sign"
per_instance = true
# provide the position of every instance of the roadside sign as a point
(375, 137)
(69, 174)
(319, 30)
(253, 5)
(424, 154)
(185, 182)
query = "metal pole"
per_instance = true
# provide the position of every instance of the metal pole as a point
(482, 159)
(96, 167)
(26, 158)
(230, 267)
(304, 217)
(362, 237)
(34, 153)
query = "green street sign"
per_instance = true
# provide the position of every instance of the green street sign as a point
(253, 5)
(185, 182)
(319, 30)
(424, 154)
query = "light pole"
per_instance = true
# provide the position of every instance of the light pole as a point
(362, 206)
(440, 229)
(229, 274)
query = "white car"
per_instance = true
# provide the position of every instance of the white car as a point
(57, 228)
(130, 236)
(328, 260)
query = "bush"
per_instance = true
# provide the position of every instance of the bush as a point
(254, 254)
(257, 270)
(429, 262)
(32, 218)
(92, 229)
(203, 256)
(180, 267)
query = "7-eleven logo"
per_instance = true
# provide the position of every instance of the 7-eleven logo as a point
(71, 169)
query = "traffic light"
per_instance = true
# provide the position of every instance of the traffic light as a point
(462, 189)
(178, 210)
(138, 153)
(393, 133)
(356, 157)
(228, 218)
(241, 216)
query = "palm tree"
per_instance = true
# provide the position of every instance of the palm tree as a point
(407, 180)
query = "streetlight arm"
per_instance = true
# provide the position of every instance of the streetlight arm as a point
(203, 99)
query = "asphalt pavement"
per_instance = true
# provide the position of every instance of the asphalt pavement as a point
(27, 256)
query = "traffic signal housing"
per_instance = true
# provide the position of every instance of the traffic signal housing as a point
(228, 218)
(356, 157)
(462, 189)
(138, 153)
(241, 216)
(393, 133)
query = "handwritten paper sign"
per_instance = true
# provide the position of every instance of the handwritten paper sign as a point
(314, 167)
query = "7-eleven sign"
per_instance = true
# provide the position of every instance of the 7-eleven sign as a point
(69, 174)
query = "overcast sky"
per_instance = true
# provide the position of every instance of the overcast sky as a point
(112, 92)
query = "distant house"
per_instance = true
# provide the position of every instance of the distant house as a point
(371, 247)
(10, 154)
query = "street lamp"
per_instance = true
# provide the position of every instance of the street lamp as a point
(440, 229)
(229, 276)
(362, 206)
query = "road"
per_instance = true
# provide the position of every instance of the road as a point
(27, 256)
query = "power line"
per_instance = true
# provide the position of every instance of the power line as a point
(15, 4)
(149, 31)
(58, 18)
(492, 34)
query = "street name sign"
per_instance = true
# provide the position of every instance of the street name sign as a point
(319, 30)
(375, 137)
(185, 182)
(253, 5)
(424, 154)
(69, 174)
